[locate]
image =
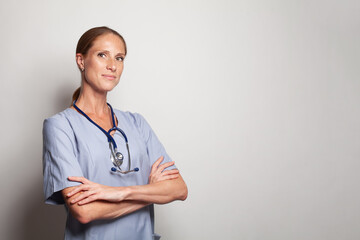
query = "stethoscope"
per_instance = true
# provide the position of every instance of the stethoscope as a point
(116, 157)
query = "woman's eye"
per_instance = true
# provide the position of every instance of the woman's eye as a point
(120, 59)
(101, 55)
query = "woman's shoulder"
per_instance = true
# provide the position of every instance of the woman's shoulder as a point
(132, 118)
(59, 120)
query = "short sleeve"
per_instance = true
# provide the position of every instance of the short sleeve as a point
(59, 159)
(154, 147)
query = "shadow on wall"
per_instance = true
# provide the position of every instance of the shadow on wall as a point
(39, 220)
(63, 97)
(42, 221)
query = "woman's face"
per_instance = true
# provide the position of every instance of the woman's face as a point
(103, 63)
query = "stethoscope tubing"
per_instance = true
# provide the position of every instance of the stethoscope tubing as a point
(111, 140)
(107, 133)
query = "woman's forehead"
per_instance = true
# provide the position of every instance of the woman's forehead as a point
(109, 42)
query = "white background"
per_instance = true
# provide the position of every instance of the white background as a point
(256, 101)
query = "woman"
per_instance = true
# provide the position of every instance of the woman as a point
(87, 165)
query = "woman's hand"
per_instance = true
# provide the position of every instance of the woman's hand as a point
(91, 191)
(158, 174)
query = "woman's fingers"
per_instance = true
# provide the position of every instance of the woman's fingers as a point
(89, 191)
(169, 172)
(169, 177)
(75, 191)
(163, 175)
(156, 164)
(88, 200)
(79, 188)
(156, 168)
(80, 197)
(158, 172)
(85, 197)
(165, 165)
(83, 187)
(172, 176)
(78, 179)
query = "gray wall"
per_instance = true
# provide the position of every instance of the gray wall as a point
(256, 101)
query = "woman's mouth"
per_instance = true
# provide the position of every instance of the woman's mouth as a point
(110, 77)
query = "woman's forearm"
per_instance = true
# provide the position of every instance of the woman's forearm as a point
(86, 209)
(90, 201)
(100, 209)
(160, 192)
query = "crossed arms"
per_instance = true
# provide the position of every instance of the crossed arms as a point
(90, 201)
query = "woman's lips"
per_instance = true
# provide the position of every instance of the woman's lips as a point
(110, 77)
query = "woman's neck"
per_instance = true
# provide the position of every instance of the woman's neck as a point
(92, 103)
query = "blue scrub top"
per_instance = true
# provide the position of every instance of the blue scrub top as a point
(73, 146)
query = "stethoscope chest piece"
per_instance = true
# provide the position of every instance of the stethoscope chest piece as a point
(120, 157)
(118, 160)
(116, 157)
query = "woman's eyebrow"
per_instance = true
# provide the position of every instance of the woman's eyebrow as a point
(107, 51)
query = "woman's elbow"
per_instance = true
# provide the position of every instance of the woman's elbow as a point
(81, 214)
(179, 191)
(183, 197)
(83, 219)
(183, 193)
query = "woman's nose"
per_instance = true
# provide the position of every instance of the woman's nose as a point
(111, 66)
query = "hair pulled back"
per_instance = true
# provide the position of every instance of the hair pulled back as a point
(86, 42)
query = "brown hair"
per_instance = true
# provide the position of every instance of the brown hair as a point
(86, 41)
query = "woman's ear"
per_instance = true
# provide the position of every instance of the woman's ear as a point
(80, 61)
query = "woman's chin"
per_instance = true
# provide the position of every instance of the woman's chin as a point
(107, 88)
